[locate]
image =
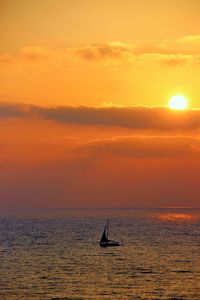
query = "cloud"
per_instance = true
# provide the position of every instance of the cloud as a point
(105, 171)
(6, 59)
(8, 110)
(172, 53)
(138, 118)
(141, 147)
(191, 43)
(98, 52)
(92, 52)
(36, 53)
(42, 55)
(188, 46)
(159, 118)
(176, 60)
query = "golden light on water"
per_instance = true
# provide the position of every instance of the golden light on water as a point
(178, 102)
(176, 217)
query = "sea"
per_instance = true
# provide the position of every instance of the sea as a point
(54, 254)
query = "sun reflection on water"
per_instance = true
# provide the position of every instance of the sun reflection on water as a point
(180, 217)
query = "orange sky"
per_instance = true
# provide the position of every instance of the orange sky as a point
(84, 89)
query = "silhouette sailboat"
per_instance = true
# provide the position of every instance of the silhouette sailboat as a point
(105, 242)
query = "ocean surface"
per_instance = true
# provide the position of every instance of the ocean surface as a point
(55, 254)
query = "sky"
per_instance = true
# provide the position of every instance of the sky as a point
(84, 93)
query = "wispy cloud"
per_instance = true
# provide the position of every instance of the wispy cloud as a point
(6, 59)
(169, 52)
(173, 60)
(36, 53)
(98, 52)
(141, 147)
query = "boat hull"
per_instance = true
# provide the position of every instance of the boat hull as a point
(109, 244)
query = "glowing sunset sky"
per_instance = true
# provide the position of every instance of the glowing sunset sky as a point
(84, 92)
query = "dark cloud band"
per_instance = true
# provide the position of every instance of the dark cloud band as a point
(157, 118)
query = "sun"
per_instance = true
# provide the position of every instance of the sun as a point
(178, 102)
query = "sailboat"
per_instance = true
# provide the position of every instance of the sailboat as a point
(105, 242)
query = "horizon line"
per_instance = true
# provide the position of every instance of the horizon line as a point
(117, 208)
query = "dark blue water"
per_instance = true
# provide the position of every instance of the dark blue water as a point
(55, 254)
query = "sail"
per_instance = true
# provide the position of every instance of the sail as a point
(105, 242)
(104, 237)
